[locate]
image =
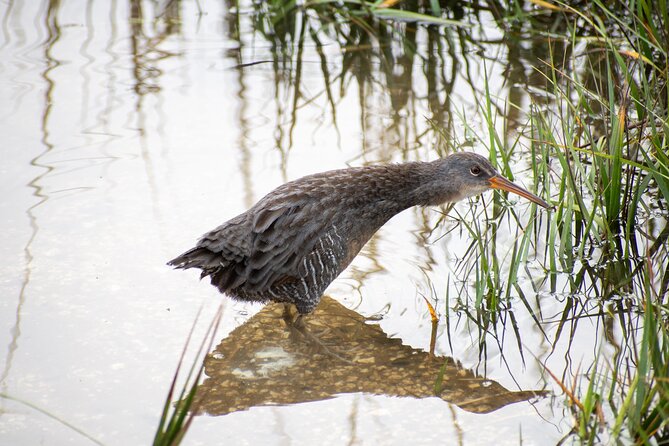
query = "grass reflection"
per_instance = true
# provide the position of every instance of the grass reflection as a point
(397, 67)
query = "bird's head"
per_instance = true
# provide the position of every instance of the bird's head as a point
(466, 174)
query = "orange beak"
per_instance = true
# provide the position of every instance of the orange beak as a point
(499, 182)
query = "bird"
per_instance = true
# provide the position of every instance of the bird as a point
(298, 238)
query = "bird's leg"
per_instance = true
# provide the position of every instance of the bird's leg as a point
(293, 318)
(290, 314)
(299, 322)
(296, 321)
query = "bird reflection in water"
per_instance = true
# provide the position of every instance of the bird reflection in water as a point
(262, 363)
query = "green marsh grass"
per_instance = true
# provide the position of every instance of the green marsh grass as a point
(179, 409)
(596, 144)
(599, 150)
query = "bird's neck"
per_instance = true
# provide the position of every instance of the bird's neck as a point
(385, 190)
(418, 184)
(374, 194)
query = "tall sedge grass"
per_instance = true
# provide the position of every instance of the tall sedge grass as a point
(601, 152)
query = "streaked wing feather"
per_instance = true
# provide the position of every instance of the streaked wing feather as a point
(262, 246)
(279, 246)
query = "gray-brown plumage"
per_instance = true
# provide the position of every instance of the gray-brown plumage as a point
(297, 239)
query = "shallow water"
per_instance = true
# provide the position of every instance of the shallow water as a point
(131, 128)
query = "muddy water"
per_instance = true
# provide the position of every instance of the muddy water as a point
(130, 128)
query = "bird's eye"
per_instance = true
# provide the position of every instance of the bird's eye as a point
(475, 170)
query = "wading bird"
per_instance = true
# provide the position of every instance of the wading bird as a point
(297, 239)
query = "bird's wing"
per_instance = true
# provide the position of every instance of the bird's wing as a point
(262, 246)
(282, 235)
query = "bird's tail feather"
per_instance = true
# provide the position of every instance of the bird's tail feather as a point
(224, 276)
(198, 257)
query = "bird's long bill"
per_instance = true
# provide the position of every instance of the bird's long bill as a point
(499, 182)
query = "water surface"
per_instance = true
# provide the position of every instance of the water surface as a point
(130, 128)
